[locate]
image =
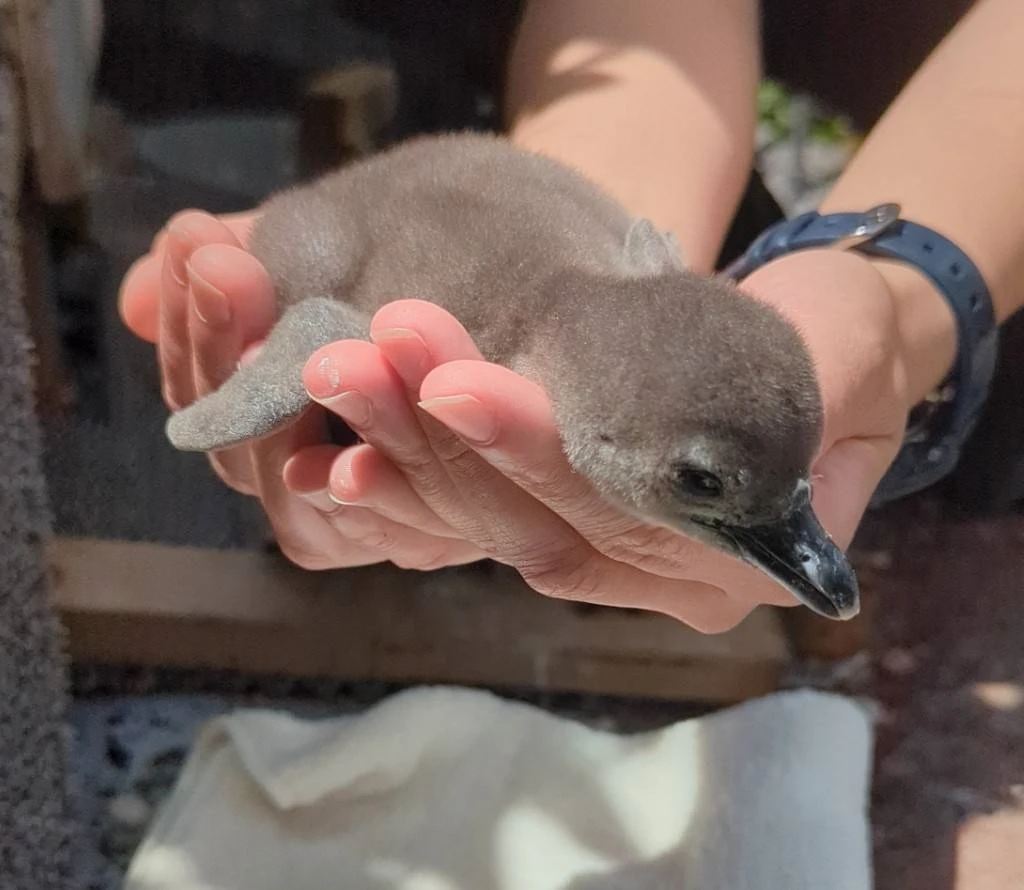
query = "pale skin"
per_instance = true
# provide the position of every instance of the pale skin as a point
(636, 96)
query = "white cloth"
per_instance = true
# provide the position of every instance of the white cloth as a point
(452, 789)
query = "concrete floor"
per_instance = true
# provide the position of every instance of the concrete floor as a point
(946, 663)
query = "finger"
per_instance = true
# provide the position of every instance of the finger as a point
(596, 578)
(174, 352)
(361, 536)
(395, 331)
(407, 548)
(307, 472)
(233, 304)
(300, 528)
(241, 224)
(415, 336)
(185, 233)
(159, 242)
(354, 380)
(845, 481)
(403, 537)
(510, 421)
(528, 449)
(139, 295)
(402, 330)
(505, 522)
(362, 475)
(138, 300)
(437, 358)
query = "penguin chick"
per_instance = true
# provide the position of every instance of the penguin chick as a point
(679, 398)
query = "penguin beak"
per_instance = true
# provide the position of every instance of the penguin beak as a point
(799, 554)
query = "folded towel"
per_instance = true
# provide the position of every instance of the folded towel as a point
(454, 789)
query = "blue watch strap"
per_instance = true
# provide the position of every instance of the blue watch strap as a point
(931, 449)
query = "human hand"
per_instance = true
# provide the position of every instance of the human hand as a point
(207, 304)
(508, 493)
(488, 459)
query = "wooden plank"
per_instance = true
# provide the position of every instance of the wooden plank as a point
(150, 604)
(345, 114)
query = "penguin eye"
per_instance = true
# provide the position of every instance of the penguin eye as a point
(698, 483)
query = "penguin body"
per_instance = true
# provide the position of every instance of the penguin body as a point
(681, 399)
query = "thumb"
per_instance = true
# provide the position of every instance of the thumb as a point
(845, 480)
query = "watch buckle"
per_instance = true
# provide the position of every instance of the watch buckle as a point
(873, 223)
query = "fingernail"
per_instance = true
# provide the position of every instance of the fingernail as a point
(465, 416)
(210, 304)
(353, 407)
(320, 500)
(337, 499)
(325, 382)
(316, 496)
(406, 352)
(179, 248)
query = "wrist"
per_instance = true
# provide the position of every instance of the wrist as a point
(926, 326)
(932, 310)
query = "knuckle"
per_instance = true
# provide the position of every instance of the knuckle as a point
(713, 624)
(649, 547)
(363, 529)
(542, 474)
(416, 462)
(450, 449)
(711, 611)
(303, 557)
(568, 573)
(433, 486)
(377, 540)
(422, 559)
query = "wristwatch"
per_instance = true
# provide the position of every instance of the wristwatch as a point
(938, 428)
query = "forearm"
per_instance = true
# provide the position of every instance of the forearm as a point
(950, 151)
(654, 101)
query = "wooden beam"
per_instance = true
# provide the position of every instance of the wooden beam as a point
(151, 604)
(345, 114)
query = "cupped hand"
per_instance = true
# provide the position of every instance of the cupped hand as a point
(461, 459)
(206, 304)
(482, 451)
